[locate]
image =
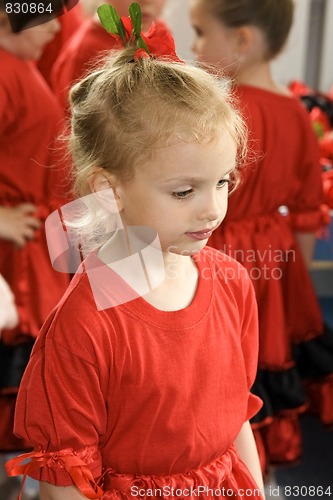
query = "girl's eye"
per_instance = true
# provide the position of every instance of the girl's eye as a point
(222, 183)
(182, 194)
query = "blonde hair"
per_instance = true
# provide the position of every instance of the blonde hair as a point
(126, 110)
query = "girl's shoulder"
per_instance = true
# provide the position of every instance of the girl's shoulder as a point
(75, 323)
(257, 96)
(12, 68)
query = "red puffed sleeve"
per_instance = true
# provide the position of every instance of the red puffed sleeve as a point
(306, 210)
(61, 405)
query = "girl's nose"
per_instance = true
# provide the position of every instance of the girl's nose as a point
(210, 209)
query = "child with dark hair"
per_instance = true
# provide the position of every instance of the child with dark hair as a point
(273, 216)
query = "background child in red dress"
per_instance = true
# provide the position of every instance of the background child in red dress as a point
(153, 392)
(241, 38)
(69, 24)
(91, 42)
(31, 186)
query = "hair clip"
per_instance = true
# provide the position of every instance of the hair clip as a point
(127, 32)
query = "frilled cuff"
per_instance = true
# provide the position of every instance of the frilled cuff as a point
(67, 467)
(308, 222)
(253, 406)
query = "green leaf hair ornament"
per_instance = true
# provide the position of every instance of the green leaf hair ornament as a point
(115, 25)
(156, 42)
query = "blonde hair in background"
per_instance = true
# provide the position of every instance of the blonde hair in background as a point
(125, 111)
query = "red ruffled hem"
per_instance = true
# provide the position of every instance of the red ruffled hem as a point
(320, 394)
(225, 476)
(309, 221)
(280, 441)
(74, 466)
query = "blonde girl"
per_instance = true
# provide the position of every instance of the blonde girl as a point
(150, 397)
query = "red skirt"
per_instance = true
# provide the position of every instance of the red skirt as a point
(292, 335)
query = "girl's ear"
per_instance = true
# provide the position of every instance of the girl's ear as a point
(246, 39)
(105, 187)
(250, 42)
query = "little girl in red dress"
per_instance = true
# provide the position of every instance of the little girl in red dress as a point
(148, 395)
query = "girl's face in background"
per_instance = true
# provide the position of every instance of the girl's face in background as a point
(214, 44)
(29, 43)
(151, 9)
(182, 193)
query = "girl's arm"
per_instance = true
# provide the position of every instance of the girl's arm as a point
(18, 224)
(306, 242)
(48, 491)
(248, 453)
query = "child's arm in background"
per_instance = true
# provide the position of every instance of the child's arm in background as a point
(306, 242)
(48, 491)
(18, 224)
(248, 453)
(8, 312)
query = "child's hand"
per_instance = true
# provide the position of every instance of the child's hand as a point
(8, 312)
(18, 224)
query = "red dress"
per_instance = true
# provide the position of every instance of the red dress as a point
(283, 171)
(82, 52)
(148, 398)
(69, 24)
(29, 172)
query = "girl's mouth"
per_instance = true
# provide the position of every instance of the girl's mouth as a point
(200, 235)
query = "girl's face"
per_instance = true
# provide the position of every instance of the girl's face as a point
(182, 193)
(29, 43)
(214, 44)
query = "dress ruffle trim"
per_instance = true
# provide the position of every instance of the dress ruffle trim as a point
(281, 391)
(314, 358)
(227, 473)
(320, 394)
(283, 439)
(309, 221)
(315, 364)
(75, 463)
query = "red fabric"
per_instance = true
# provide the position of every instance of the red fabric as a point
(29, 172)
(284, 166)
(9, 442)
(320, 397)
(154, 392)
(284, 171)
(87, 46)
(69, 23)
(159, 42)
(283, 439)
